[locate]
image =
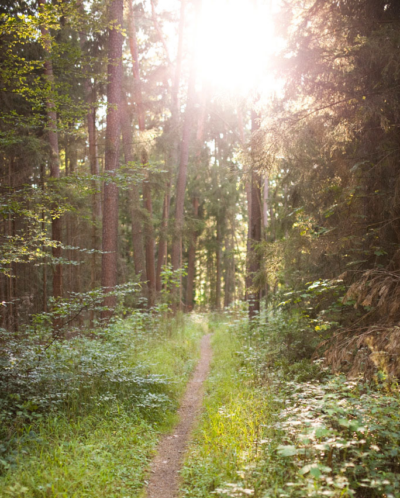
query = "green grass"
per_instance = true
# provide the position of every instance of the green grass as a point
(280, 426)
(232, 428)
(99, 442)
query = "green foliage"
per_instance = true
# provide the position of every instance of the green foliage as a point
(279, 425)
(81, 417)
(227, 439)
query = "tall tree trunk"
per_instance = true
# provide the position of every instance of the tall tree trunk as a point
(266, 204)
(43, 226)
(195, 203)
(248, 198)
(110, 209)
(192, 259)
(162, 246)
(172, 155)
(256, 223)
(148, 227)
(266, 220)
(94, 170)
(183, 163)
(218, 260)
(230, 265)
(54, 153)
(137, 234)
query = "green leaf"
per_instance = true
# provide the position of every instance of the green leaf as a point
(315, 472)
(287, 450)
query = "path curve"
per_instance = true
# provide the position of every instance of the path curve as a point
(164, 471)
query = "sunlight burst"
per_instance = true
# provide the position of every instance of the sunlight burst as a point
(235, 40)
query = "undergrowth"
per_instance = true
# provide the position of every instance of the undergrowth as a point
(277, 424)
(81, 417)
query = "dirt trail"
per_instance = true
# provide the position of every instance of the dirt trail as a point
(164, 477)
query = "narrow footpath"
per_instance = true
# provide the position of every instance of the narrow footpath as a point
(164, 471)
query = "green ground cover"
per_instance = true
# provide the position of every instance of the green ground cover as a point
(82, 417)
(276, 424)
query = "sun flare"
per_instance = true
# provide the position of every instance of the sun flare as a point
(235, 39)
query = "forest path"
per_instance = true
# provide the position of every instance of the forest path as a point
(164, 479)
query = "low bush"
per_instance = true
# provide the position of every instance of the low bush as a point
(317, 433)
(80, 417)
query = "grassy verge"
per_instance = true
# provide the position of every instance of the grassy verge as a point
(90, 424)
(233, 426)
(277, 425)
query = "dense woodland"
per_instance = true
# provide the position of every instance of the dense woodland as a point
(138, 190)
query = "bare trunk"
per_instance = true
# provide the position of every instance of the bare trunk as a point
(256, 222)
(149, 245)
(148, 228)
(195, 203)
(110, 209)
(230, 266)
(162, 248)
(172, 157)
(137, 233)
(54, 156)
(94, 170)
(192, 260)
(218, 258)
(266, 204)
(183, 163)
(248, 198)
(266, 220)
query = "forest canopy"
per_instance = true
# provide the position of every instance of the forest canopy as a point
(196, 154)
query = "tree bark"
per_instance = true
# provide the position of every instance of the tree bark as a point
(256, 222)
(94, 168)
(192, 259)
(184, 158)
(147, 200)
(162, 247)
(247, 187)
(218, 260)
(195, 202)
(110, 210)
(54, 161)
(172, 155)
(137, 233)
(230, 265)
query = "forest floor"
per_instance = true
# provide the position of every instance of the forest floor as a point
(164, 480)
(200, 406)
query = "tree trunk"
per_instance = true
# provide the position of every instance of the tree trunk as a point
(183, 163)
(195, 202)
(247, 187)
(256, 222)
(192, 259)
(110, 209)
(137, 233)
(230, 265)
(54, 154)
(94, 170)
(266, 204)
(147, 201)
(162, 247)
(172, 155)
(218, 260)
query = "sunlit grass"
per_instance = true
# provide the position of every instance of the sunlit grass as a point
(233, 425)
(98, 444)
